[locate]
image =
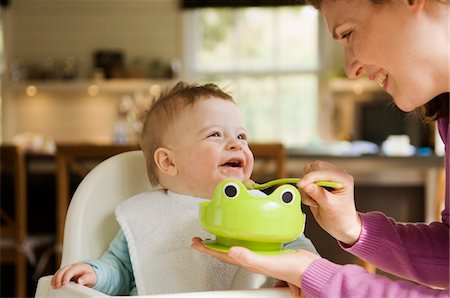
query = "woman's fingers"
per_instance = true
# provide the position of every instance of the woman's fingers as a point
(197, 243)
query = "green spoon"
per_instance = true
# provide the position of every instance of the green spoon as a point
(250, 184)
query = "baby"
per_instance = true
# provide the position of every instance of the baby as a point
(193, 138)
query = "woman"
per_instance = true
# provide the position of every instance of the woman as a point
(402, 45)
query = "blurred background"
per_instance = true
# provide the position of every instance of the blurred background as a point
(84, 72)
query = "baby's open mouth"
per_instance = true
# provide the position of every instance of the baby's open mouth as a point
(234, 163)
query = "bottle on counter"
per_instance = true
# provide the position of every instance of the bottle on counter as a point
(123, 130)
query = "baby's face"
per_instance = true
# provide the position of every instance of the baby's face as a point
(209, 144)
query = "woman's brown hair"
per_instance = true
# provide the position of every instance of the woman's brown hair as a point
(437, 108)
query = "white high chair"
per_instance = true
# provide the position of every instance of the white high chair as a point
(90, 224)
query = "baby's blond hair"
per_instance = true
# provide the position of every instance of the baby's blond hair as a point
(163, 112)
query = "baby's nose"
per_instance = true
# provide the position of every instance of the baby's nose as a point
(234, 145)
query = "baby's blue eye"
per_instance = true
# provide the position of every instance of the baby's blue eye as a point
(242, 137)
(216, 134)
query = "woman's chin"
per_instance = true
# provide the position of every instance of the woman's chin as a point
(405, 104)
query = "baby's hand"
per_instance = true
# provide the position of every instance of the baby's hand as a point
(81, 273)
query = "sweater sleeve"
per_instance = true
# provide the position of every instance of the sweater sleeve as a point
(419, 252)
(326, 279)
(113, 269)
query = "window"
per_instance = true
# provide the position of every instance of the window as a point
(267, 58)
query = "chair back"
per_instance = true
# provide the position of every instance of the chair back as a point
(13, 165)
(90, 224)
(74, 161)
(270, 161)
(13, 227)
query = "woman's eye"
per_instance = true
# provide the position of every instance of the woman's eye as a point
(346, 35)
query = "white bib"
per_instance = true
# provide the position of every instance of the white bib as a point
(159, 226)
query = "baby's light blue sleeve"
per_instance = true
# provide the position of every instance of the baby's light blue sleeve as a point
(301, 243)
(114, 270)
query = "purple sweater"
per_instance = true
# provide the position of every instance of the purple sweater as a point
(418, 252)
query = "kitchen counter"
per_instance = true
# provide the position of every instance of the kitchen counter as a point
(368, 171)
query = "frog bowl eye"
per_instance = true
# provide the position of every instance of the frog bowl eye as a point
(231, 190)
(287, 196)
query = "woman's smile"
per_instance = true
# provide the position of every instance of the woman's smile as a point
(380, 78)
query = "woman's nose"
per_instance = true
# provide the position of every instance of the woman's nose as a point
(353, 68)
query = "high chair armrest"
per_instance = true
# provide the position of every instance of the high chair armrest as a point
(44, 289)
(269, 292)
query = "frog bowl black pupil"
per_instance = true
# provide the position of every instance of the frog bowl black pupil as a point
(287, 197)
(230, 191)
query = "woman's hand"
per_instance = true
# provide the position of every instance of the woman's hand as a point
(295, 291)
(334, 210)
(287, 267)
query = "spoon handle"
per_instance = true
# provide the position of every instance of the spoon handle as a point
(327, 184)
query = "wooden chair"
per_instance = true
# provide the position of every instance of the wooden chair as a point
(13, 228)
(76, 160)
(270, 161)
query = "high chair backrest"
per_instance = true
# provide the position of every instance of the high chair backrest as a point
(270, 161)
(90, 224)
(73, 163)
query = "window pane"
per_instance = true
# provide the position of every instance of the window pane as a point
(298, 104)
(298, 37)
(215, 42)
(275, 108)
(256, 39)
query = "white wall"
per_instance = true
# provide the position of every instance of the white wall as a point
(39, 29)
(61, 28)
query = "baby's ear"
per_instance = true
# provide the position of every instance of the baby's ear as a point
(164, 161)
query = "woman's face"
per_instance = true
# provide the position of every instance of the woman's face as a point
(391, 43)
